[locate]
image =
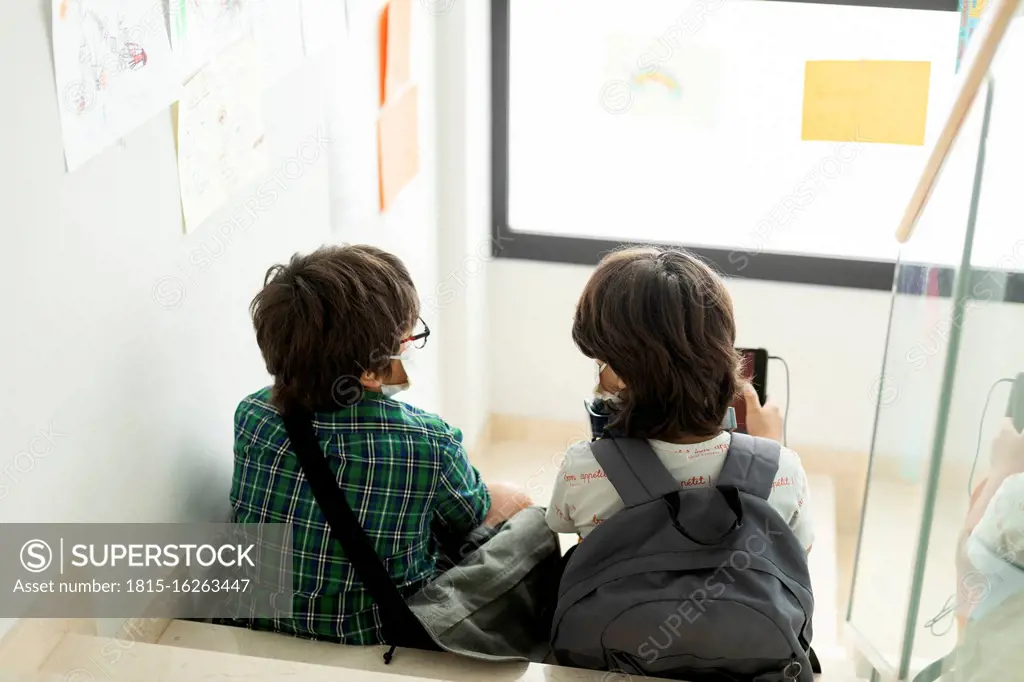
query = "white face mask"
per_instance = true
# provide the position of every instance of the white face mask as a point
(391, 390)
(599, 392)
(407, 358)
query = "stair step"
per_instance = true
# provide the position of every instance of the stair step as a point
(24, 676)
(196, 655)
(424, 664)
(822, 562)
(82, 658)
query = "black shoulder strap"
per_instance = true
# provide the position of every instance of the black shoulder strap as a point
(634, 469)
(400, 625)
(751, 465)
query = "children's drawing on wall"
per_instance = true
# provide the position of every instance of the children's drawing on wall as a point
(654, 78)
(222, 147)
(201, 29)
(662, 84)
(970, 17)
(114, 71)
(107, 52)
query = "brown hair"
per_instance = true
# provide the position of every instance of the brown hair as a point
(329, 316)
(663, 321)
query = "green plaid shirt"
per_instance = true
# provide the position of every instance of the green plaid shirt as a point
(401, 469)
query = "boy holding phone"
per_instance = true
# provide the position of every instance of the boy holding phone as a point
(668, 377)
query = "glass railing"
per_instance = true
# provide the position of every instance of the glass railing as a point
(937, 575)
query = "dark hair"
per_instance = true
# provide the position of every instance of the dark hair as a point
(662, 320)
(329, 316)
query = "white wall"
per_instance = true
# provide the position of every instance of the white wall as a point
(832, 339)
(410, 229)
(128, 343)
(460, 299)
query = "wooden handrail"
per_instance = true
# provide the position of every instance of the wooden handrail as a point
(977, 62)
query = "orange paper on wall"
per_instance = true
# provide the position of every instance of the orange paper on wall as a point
(382, 42)
(869, 101)
(398, 145)
(395, 47)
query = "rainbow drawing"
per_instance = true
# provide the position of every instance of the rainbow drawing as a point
(660, 80)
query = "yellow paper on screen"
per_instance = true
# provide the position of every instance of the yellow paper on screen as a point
(867, 101)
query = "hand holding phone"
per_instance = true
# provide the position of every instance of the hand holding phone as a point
(1008, 451)
(764, 421)
(755, 371)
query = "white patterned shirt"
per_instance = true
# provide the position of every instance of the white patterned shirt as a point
(584, 497)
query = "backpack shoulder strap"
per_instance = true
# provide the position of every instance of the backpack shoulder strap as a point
(400, 625)
(750, 465)
(634, 469)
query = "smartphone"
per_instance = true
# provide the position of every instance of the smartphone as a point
(1015, 407)
(755, 370)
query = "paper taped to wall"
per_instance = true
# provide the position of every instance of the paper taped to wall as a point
(221, 142)
(398, 139)
(395, 48)
(202, 29)
(644, 77)
(114, 71)
(867, 101)
(353, 122)
(970, 17)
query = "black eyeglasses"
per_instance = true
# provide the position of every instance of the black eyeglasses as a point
(419, 339)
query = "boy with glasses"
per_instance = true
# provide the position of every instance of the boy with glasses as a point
(338, 330)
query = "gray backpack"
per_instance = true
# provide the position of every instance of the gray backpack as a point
(700, 584)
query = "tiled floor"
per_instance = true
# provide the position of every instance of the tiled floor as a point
(882, 597)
